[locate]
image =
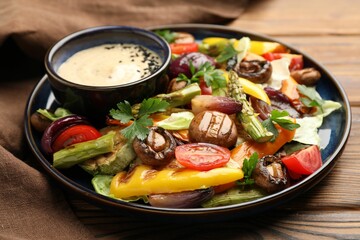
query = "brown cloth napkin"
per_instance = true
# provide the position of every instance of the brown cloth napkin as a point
(36, 24)
(31, 206)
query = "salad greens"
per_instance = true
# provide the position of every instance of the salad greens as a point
(248, 168)
(212, 76)
(281, 118)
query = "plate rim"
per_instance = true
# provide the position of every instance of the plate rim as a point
(285, 195)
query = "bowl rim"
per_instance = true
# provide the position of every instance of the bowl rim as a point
(95, 30)
(203, 213)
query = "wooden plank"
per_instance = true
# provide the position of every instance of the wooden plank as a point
(284, 17)
(274, 224)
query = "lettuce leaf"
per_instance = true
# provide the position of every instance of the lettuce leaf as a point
(328, 107)
(308, 132)
(177, 121)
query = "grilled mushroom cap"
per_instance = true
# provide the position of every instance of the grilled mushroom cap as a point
(270, 174)
(157, 149)
(254, 70)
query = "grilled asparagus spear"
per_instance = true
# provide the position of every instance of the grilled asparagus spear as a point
(80, 152)
(182, 96)
(247, 117)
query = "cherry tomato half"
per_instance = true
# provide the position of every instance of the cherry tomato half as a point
(271, 56)
(75, 134)
(305, 161)
(202, 156)
(296, 60)
(180, 48)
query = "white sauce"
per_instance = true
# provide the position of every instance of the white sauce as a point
(110, 65)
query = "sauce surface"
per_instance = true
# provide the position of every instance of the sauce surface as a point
(110, 65)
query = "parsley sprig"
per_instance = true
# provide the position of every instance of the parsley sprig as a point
(228, 52)
(248, 168)
(213, 77)
(141, 121)
(168, 35)
(281, 119)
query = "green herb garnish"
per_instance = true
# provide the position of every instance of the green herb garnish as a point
(228, 52)
(212, 77)
(168, 35)
(248, 168)
(281, 119)
(141, 120)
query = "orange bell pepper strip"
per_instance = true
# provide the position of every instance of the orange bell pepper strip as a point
(289, 88)
(246, 149)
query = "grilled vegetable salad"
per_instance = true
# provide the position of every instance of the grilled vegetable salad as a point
(239, 121)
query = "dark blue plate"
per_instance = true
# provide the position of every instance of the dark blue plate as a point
(335, 129)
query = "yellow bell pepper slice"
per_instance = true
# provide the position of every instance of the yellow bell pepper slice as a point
(261, 47)
(220, 43)
(215, 41)
(257, 47)
(252, 89)
(213, 46)
(144, 180)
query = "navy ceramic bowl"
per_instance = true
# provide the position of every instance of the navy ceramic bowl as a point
(94, 101)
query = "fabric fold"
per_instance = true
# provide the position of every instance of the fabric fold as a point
(36, 25)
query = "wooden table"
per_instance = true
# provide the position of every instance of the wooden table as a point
(330, 32)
